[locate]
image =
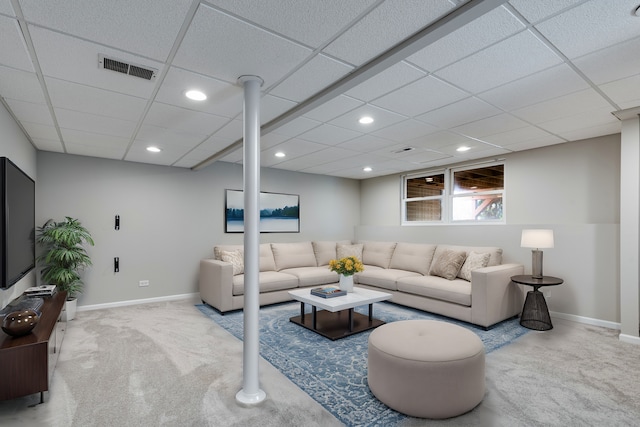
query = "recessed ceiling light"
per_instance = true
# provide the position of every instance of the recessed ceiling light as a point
(367, 169)
(365, 120)
(463, 148)
(196, 95)
(280, 154)
(154, 149)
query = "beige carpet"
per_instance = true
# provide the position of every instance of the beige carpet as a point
(167, 364)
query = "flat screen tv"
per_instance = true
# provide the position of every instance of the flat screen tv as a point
(17, 223)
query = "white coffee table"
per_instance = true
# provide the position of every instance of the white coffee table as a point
(336, 319)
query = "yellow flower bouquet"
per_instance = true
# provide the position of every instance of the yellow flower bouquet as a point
(346, 266)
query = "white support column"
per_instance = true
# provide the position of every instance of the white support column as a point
(630, 226)
(251, 392)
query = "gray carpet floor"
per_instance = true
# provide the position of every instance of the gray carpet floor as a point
(166, 364)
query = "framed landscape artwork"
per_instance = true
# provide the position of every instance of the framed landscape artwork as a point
(279, 213)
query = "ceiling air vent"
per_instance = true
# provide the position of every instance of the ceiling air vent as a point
(403, 150)
(126, 68)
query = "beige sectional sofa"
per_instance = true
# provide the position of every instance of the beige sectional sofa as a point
(463, 282)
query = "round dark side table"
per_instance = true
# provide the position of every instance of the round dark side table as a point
(535, 313)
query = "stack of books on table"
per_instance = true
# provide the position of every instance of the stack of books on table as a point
(328, 292)
(41, 291)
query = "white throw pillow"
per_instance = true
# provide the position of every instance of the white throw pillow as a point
(350, 250)
(236, 259)
(474, 261)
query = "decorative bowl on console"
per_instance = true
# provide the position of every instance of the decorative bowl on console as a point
(18, 323)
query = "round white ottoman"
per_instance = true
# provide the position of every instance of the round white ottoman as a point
(426, 368)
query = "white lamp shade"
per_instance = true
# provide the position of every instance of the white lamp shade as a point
(539, 239)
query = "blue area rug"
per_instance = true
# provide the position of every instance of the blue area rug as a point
(334, 373)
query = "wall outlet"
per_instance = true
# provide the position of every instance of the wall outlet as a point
(143, 283)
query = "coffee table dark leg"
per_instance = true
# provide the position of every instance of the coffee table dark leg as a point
(351, 320)
(370, 312)
(313, 317)
(302, 312)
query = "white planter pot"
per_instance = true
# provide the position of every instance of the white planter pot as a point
(346, 283)
(69, 312)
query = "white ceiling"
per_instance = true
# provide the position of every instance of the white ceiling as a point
(495, 76)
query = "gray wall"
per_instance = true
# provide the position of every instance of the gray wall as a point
(572, 188)
(170, 218)
(16, 147)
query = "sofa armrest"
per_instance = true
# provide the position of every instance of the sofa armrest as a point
(216, 284)
(494, 297)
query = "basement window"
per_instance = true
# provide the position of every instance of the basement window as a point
(471, 194)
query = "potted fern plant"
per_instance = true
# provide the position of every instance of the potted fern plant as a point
(63, 257)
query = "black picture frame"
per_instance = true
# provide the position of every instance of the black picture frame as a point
(279, 212)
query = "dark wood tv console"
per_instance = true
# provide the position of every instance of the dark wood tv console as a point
(27, 362)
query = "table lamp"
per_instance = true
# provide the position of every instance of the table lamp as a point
(536, 239)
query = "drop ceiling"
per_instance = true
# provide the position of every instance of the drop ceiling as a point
(495, 76)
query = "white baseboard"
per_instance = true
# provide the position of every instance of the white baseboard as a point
(195, 295)
(629, 339)
(586, 320)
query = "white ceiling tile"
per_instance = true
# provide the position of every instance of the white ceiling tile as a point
(292, 149)
(146, 27)
(213, 144)
(311, 78)
(529, 133)
(30, 112)
(491, 126)
(625, 92)
(591, 26)
(297, 126)
(535, 143)
(213, 41)
(168, 156)
(234, 157)
(408, 129)
(421, 96)
(388, 24)
(13, 50)
(44, 144)
(272, 106)
(366, 143)
(459, 113)
(480, 33)
(569, 124)
(40, 131)
(172, 117)
(329, 134)
(168, 138)
(567, 105)
(547, 84)
(511, 59)
(91, 144)
(20, 85)
(535, 11)
(223, 99)
(308, 21)
(271, 139)
(597, 66)
(333, 108)
(382, 118)
(5, 7)
(388, 80)
(80, 63)
(232, 131)
(87, 99)
(591, 131)
(94, 123)
(441, 140)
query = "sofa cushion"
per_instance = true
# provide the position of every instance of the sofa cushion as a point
(457, 291)
(325, 251)
(236, 259)
(350, 250)
(269, 281)
(447, 264)
(474, 261)
(313, 276)
(496, 253)
(290, 255)
(413, 257)
(378, 253)
(385, 278)
(266, 256)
